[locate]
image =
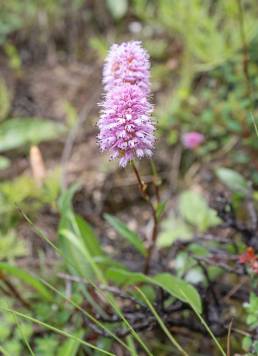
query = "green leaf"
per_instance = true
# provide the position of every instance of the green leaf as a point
(88, 236)
(78, 241)
(26, 278)
(233, 180)
(161, 208)
(65, 200)
(71, 346)
(177, 287)
(195, 210)
(118, 9)
(173, 228)
(18, 132)
(125, 232)
(75, 254)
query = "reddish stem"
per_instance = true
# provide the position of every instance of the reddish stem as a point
(154, 234)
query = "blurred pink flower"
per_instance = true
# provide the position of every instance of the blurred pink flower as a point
(192, 140)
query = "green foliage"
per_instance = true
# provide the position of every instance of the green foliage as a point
(195, 210)
(22, 193)
(133, 238)
(194, 215)
(5, 100)
(79, 244)
(18, 132)
(25, 277)
(117, 8)
(173, 285)
(199, 28)
(71, 346)
(11, 246)
(199, 84)
(252, 311)
(12, 334)
(46, 346)
(173, 228)
(14, 58)
(233, 180)
(4, 163)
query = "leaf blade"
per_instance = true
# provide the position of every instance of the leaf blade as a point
(131, 236)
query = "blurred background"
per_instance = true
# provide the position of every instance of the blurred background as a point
(204, 57)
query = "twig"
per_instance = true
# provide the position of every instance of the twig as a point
(228, 338)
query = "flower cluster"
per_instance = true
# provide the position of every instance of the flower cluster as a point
(192, 140)
(125, 124)
(249, 258)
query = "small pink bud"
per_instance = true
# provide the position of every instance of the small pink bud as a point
(192, 140)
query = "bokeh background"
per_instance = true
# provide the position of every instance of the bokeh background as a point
(204, 71)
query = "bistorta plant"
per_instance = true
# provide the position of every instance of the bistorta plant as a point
(126, 127)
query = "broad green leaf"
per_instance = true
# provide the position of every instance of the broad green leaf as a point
(71, 346)
(195, 210)
(126, 233)
(177, 287)
(173, 228)
(26, 278)
(232, 180)
(117, 8)
(18, 132)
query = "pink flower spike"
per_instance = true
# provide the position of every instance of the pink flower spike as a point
(192, 140)
(126, 129)
(127, 63)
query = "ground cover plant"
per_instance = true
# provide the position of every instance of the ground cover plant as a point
(129, 186)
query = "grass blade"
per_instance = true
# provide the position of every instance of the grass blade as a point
(58, 331)
(161, 323)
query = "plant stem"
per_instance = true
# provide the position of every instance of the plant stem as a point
(154, 233)
(156, 180)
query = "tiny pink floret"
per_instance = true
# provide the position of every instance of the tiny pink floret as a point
(126, 129)
(127, 63)
(192, 140)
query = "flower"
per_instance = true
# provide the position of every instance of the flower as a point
(192, 140)
(248, 256)
(126, 128)
(127, 63)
